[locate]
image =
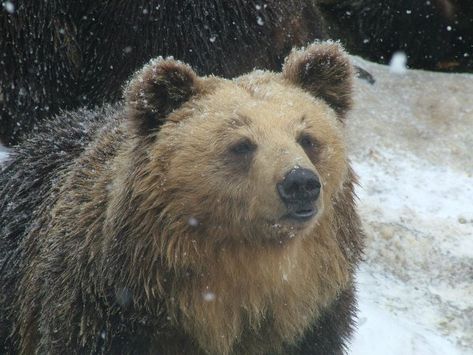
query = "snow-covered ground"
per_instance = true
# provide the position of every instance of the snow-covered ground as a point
(411, 141)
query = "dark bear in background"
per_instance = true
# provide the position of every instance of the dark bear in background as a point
(434, 34)
(61, 54)
(123, 231)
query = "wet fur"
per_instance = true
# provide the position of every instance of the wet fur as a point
(64, 55)
(78, 276)
(435, 35)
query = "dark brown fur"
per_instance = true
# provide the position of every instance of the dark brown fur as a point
(63, 54)
(154, 238)
(435, 34)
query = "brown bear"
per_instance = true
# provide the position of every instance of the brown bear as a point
(200, 216)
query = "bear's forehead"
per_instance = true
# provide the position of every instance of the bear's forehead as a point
(254, 100)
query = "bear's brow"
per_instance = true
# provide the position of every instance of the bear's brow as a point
(240, 120)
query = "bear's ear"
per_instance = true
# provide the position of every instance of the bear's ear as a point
(324, 70)
(160, 87)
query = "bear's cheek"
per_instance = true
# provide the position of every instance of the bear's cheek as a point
(333, 174)
(203, 189)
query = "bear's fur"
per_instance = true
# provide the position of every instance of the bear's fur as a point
(155, 226)
(61, 54)
(434, 34)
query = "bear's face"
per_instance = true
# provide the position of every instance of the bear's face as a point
(258, 158)
(255, 155)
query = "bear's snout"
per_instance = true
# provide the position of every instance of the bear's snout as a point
(299, 189)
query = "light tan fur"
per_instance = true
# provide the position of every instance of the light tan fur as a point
(255, 269)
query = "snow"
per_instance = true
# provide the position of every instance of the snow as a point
(383, 332)
(209, 296)
(193, 222)
(9, 6)
(410, 138)
(398, 62)
(3, 153)
(410, 141)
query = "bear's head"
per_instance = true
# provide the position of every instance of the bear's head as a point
(257, 159)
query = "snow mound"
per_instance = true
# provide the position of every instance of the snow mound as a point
(411, 138)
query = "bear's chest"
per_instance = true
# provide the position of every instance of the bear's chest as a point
(257, 303)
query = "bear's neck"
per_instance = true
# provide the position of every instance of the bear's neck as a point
(245, 293)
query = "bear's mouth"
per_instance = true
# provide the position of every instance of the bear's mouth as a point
(301, 214)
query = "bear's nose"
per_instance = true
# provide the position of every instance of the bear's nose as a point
(299, 186)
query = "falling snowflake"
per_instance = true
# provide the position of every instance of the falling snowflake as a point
(8, 5)
(193, 222)
(209, 296)
(398, 62)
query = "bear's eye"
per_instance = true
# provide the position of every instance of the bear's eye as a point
(307, 142)
(243, 147)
